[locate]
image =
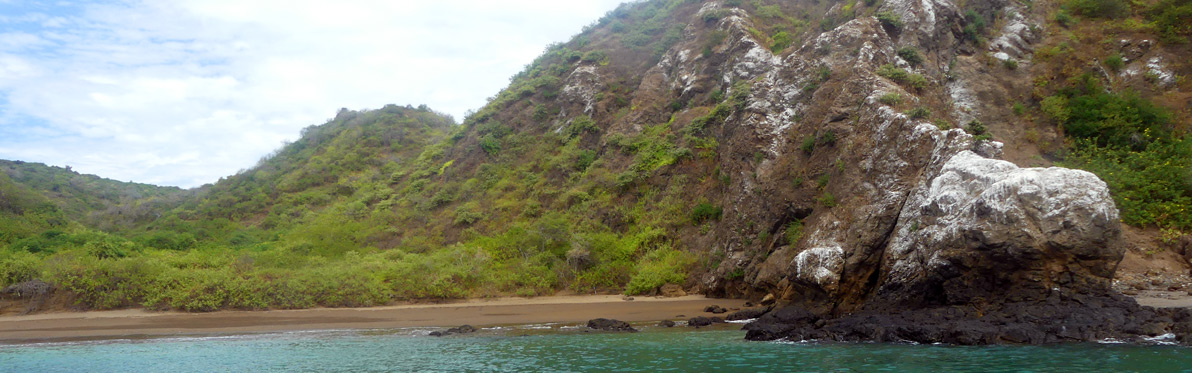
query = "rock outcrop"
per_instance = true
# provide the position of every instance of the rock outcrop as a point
(610, 325)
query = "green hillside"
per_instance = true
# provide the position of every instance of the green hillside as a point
(578, 176)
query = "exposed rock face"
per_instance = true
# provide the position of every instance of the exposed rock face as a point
(985, 230)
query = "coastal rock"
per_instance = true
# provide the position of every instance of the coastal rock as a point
(985, 230)
(715, 309)
(666, 323)
(610, 325)
(699, 321)
(747, 314)
(462, 329)
(1061, 318)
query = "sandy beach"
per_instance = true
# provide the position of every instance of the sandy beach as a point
(479, 312)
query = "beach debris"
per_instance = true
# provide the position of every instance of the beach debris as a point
(610, 325)
(626, 298)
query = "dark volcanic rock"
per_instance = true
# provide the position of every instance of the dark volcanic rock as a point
(610, 325)
(666, 323)
(699, 321)
(462, 329)
(715, 309)
(747, 314)
(1062, 318)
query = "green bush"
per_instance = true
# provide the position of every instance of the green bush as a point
(781, 40)
(704, 211)
(793, 232)
(919, 113)
(659, 267)
(808, 144)
(827, 199)
(890, 21)
(1173, 20)
(1100, 8)
(892, 99)
(911, 55)
(1115, 62)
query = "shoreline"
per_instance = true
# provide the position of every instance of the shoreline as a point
(50, 327)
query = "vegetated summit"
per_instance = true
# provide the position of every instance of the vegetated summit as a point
(835, 154)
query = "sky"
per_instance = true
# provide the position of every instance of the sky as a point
(183, 92)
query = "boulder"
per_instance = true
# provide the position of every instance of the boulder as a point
(715, 309)
(699, 321)
(462, 329)
(747, 314)
(666, 323)
(610, 325)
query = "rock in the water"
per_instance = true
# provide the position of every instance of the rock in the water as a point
(672, 290)
(610, 325)
(699, 321)
(462, 329)
(666, 323)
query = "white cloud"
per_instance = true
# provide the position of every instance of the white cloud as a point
(184, 92)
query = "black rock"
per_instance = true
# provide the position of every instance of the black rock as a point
(610, 325)
(699, 321)
(462, 329)
(666, 323)
(715, 309)
(751, 313)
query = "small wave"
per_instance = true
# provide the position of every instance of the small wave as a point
(746, 321)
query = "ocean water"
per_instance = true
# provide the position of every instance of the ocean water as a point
(566, 348)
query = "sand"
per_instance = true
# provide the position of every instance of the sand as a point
(478, 312)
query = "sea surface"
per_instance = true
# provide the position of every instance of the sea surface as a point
(550, 347)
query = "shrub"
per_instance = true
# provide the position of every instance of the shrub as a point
(793, 232)
(919, 112)
(828, 200)
(1115, 62)
(468, 214)
(890, 21)
(828, 137)
(704, 211)
(1010, 63)
(491, 145)
(978, 130)
(1100, 8)
(974, 26)
(808, 144)
(659, 267)
(594, 56)
(781, 41)
(891, 99)
(1064, 19)
(911, 55)
(1172, 19)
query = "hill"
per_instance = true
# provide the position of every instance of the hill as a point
(740, 148)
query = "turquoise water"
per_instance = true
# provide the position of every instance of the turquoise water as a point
(565, 349)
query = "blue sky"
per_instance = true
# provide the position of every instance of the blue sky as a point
(183, 92)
